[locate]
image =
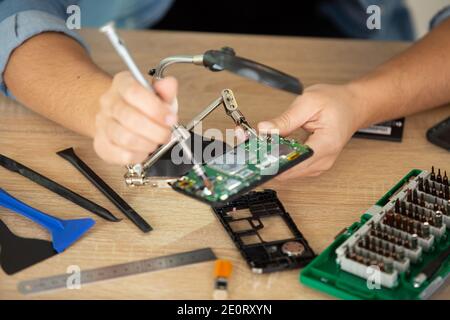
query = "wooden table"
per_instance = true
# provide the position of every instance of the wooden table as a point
(321, 207)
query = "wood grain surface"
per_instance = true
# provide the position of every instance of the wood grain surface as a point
(321, 207)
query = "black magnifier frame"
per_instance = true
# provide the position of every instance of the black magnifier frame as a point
(226, 59)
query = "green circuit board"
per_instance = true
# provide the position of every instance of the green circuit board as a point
(402, 237)
(243, 168)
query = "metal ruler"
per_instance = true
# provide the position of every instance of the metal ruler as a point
(117, 271)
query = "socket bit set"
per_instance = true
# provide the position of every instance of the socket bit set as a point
(401, 247)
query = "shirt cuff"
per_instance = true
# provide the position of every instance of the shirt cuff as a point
(18, 28)
(442, 15)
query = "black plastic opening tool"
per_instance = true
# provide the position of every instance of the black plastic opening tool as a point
(45, 182)
(70, 155)
(19, 253)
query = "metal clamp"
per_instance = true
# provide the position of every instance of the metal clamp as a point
(231, 109)
(136, 175)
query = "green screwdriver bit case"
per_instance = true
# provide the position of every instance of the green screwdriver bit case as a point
(335, 274)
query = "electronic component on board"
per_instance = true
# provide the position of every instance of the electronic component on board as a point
(402, 244)
(243, 168)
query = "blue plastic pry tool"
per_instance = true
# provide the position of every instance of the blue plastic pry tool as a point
(64, 232)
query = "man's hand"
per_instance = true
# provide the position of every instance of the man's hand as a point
(133, 121)
(416, 80)
(331, 114)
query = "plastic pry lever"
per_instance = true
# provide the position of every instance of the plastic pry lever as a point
(20, 253)
(64, 232)
(70, 155)
(45, 182)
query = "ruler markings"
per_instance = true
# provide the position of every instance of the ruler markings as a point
(117, 271)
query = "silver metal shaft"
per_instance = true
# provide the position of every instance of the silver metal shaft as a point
(163, 149)
(167, 62)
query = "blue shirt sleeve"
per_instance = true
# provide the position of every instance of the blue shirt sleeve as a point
(23, 19)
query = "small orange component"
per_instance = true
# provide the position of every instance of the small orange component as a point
(223, 269)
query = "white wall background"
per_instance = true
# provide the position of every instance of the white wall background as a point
(423, 11)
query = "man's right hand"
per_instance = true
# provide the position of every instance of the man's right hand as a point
(133, 121)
